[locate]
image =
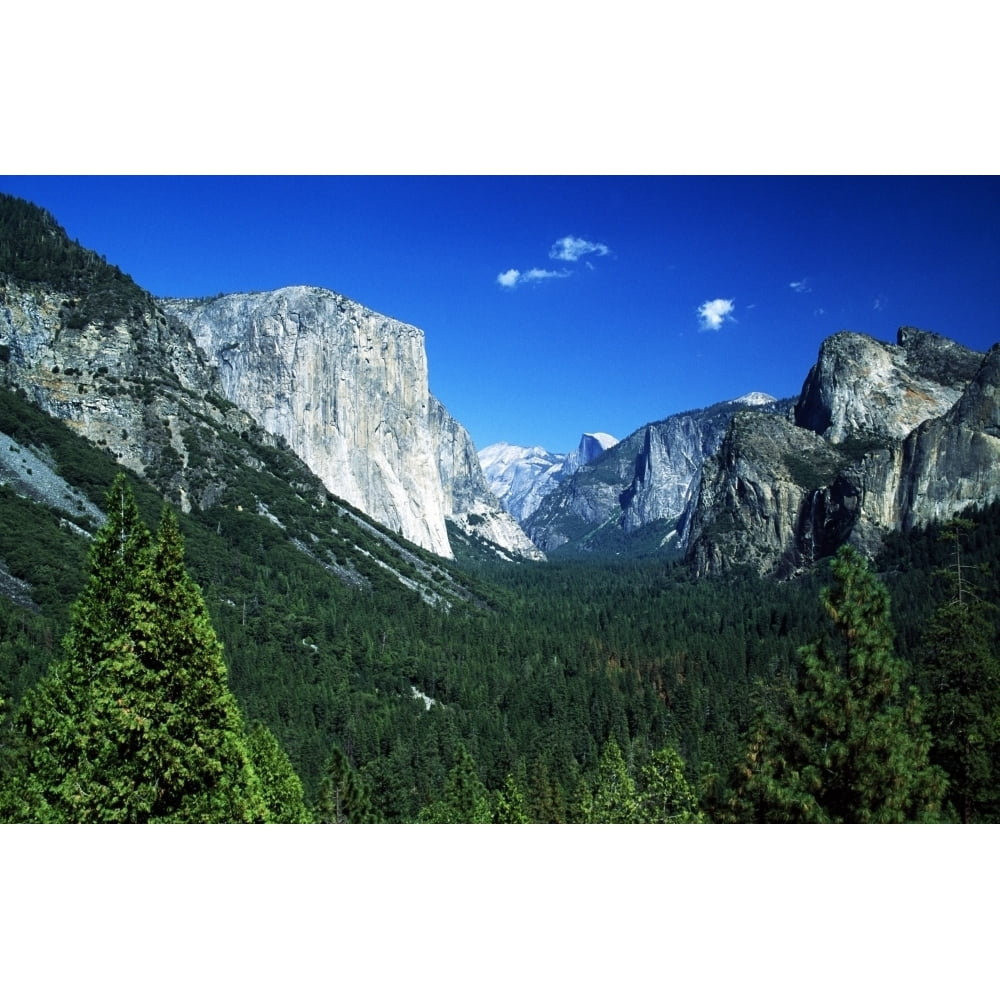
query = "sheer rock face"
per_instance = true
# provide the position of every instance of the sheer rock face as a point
(669, 465)
(651, 476)
(347, 389)
(885, 437)
(954, 460)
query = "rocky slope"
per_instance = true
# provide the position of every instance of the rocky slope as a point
(137, 385)
(341, 386)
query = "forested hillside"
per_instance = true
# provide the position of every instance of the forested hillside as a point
(537, 692)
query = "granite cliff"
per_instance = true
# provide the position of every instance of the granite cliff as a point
(641, 486)
(303, 369)
(883, 437)
(521, 477)
(347, 389)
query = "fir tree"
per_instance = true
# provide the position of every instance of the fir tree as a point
(135, 722)
(343, 798)
(851, 746)
(284, 796)
(511, 806)
(666, 796)
(615, 799)
(465, 799)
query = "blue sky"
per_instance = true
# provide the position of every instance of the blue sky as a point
(557, 305)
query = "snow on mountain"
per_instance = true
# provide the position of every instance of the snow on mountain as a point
(520, 477)
(755, 399)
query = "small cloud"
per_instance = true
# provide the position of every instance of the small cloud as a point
(512, 276)
(573, 248)
(800, 286)
(819, 312)
(715, 312)
(538, 274)
(880, 303)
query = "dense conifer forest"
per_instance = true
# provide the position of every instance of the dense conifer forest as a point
(571, 691)
(218, 670)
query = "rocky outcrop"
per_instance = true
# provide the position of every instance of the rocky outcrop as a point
(862, 388)
(137, 386)
(762, 500)
(885, 437)
(469, 502)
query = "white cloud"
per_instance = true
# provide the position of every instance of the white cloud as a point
(573, 248)
(800, 286)
(512, 276)
(715, 312)
(880, 303)
(538, 274)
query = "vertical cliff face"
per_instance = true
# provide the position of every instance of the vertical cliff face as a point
(669, 465)
(469, 502)
(650, 478)
(345, 387)
(954, 460)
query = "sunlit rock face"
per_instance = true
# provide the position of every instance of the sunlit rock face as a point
(884, 437)
(861, 387)
(345, 387)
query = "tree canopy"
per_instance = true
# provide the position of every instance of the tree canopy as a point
(135, 721)
(851, 745)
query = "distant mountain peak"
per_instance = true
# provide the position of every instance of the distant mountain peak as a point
(755, 399)
(520, 477)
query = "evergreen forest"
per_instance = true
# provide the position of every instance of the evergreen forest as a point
(276, 656)
(202, 668)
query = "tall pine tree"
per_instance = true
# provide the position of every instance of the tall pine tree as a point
(135, 722)
(851, 747)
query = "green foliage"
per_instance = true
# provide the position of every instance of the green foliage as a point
(34, 249)
(465, 799)
(511, 805)
(284, 798)
(532, 668)
(135, 722)
(666, 796)
(615, 799)
(851, 746)
(959, 675)
(343, 797)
